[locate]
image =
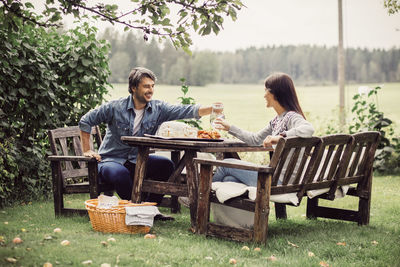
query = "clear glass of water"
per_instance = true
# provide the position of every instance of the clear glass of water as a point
(217, 112)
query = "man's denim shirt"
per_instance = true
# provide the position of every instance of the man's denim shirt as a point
(119, 116)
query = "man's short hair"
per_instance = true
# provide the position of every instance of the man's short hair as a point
(136, 76)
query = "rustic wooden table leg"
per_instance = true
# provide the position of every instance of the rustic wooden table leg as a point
(140, 172)
(192, 185)
(175, 206)
(262, 207)
(203, 207)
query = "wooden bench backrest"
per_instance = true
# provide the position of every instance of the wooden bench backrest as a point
(365, 145)
(336, 152)
(343, 160)
(66, 142)
(294, 160)
(314, 163)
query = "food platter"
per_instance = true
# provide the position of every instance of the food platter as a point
(184, 138)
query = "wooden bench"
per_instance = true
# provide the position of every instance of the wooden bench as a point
(298, 165)
(72, 172)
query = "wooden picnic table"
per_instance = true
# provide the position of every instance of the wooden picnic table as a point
(190, 147)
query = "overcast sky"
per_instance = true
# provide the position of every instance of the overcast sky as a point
(291, 22)
(276, 22)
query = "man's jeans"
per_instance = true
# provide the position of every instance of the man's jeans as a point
(121, 176)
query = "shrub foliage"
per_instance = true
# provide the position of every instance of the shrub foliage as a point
(367, 117)
(48, 79)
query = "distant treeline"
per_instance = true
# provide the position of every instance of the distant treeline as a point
(306, 64)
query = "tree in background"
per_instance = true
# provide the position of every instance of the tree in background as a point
(204, 69)
(393, 6)
(48, 79)
(152, 18)
(308, 65)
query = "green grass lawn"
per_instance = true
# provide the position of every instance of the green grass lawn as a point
(374, 245)
(245, 105)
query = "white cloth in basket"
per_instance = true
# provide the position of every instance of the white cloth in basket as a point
(141, 215)
(106, 202)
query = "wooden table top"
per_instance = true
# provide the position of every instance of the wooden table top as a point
(202, 145)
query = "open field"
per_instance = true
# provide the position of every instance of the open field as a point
(245, 106)
(335, 243)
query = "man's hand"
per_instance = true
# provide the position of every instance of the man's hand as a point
(85, 143)
(92, 154)
(271, 140)
(203, 111)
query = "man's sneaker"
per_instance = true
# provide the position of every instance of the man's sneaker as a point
(184, 201)
(163, 217)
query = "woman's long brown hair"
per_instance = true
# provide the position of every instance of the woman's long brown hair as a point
(282, 87)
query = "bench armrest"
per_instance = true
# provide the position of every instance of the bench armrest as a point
(236, 165)
(70, 158)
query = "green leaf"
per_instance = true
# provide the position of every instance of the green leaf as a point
(215, 28)
(86, 62)
(72, 64)
(29, 5)
(206, 30)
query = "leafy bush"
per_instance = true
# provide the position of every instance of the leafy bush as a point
(187, 100)
(369, 118)
(47, 80)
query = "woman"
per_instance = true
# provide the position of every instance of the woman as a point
(280, 95)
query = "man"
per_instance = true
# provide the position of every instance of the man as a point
(134, 115)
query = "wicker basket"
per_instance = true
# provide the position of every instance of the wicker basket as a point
(112, 220)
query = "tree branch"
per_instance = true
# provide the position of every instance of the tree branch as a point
(26, 18)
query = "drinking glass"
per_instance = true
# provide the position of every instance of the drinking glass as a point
(217, 112)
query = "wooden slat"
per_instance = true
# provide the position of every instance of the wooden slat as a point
(304, 158)
(363, 158)
(278, 169)
(65, 132)
(333, 213)
(76, 188)
(78, 149)
(325, 163)
(75, 173)
(238, 202)
(168, 188)
(70, 158)
(334, 164)
(291, 165)
(234, 149)
(64, 150)
(242, 165)
(356, 158)
(231, 233)
(178, 170)
(77, 146)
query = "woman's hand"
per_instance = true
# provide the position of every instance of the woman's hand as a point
(92, 154)
(271, 140)
(221, 124)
